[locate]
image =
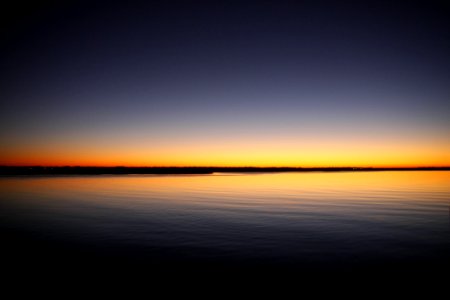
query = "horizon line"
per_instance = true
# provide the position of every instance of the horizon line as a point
(226, 166)
(122, 170)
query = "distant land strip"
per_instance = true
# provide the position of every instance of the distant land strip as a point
(42, 170)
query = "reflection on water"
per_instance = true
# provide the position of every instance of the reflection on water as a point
(301, 220)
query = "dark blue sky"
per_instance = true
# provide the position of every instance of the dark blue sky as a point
(167, 74)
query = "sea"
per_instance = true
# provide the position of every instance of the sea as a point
(388, 223)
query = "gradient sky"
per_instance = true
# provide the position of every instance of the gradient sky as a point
(298, 83)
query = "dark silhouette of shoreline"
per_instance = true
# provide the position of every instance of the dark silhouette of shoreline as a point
(42, 170)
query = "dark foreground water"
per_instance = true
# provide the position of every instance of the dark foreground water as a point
(340, 223)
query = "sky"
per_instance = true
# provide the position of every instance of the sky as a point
(235, 83)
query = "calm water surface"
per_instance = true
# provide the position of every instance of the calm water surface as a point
(342, 221)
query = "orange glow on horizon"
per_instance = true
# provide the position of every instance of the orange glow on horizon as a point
(227, 154)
